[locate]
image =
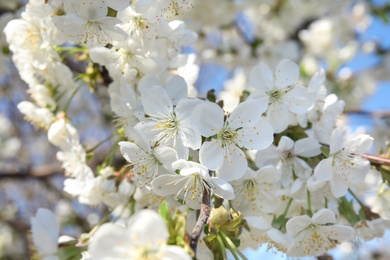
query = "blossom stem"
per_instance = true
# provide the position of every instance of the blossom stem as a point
(71, 97)
(202, 220)
(287, 207)
(220, 241)
(309, 211)
(232, 248)
(368, 214)
(100, 143)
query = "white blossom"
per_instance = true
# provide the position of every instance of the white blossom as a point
(314, 236)
(278, 92)
(191, 183)
(344, 166)
(242, 128)
(145, 235)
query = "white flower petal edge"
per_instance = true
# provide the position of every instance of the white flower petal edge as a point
(145, 232)
(45, 233)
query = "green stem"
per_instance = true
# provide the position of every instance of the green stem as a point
(100, 143)
(356, 198)
(231, 246)
(287, 207)
(222, 247)
(309, 212)
(71, 97)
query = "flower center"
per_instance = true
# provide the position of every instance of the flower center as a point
(168, 127)
(227, 136)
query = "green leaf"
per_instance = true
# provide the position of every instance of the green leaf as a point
(325, 151)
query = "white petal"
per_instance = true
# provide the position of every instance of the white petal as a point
(268, 202)
(299, 100)
(211, 155)
(137, 137)
(258, 137)
(297, 224)
(307, 147)
(180, 164)
(323, 217)
(359, 170)
(92, 9)
(174, 253)
(324, 170)
(234, 164)
(110, 241)
(165, 155)
(117, 4)
(176, 88)
(360, 144)
(339, 232)
(207, 119)
(279, 117)
(129, 150)
(45, 232)
(338, 187)
(156, 102)
(285, 144)
(262, 98)
(246, 114)
(147, 82)
(147, 228)
(164, 185)
(258, 223)
(223, 188)
(269, 156)
(261, 77)
(268, 174)
(286, 73)
(337, 139)
(317, 80)
(190, 137)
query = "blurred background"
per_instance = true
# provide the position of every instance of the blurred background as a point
(349, 39)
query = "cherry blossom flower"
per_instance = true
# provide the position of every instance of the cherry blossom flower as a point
(242, 128)
(89, 25)
(344, 166)
(163, 8)
(278, 93)
(145, 160)
(144, 237)
(314, 236)
(169, 125)
(255, 191)
(191, 183)
(288, 154)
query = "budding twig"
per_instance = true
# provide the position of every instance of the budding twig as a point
(202, 220)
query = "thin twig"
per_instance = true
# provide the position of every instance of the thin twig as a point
(376, 160)
(202, 220)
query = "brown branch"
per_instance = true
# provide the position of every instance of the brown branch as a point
(41, 171)
(379, 113)
(202, 220)
(376, 160)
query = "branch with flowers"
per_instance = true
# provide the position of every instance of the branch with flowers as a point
(265, 161)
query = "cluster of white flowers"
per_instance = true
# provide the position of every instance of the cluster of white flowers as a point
(273, 154)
